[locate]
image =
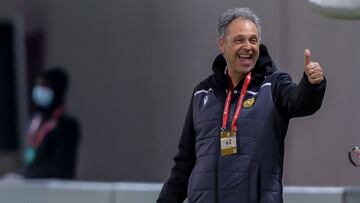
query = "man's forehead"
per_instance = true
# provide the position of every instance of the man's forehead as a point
(41, 81)
(242, 28)
(242, 24)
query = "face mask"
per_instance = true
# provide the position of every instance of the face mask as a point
(42, 96)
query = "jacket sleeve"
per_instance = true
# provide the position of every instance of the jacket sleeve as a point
(175, 188)
(296, 100)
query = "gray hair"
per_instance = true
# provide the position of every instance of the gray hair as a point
(243, 13)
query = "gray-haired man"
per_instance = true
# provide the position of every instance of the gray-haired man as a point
(232, 145)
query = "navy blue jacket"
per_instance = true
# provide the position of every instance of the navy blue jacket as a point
(254, 174)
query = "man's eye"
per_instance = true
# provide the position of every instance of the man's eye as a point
(254, 41)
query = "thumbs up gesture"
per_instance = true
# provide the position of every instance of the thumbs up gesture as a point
(312, 70)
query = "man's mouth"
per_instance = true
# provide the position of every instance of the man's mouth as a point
(245, 59)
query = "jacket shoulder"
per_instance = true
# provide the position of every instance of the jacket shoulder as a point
(205, 85)
(69, 120)
(69, 124)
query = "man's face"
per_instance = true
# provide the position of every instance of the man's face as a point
(240, 47)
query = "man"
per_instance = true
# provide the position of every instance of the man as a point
(53, 136)
(232, 145)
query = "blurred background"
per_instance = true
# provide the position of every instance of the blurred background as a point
(134, 63)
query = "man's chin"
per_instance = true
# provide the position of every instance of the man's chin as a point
(245, 70)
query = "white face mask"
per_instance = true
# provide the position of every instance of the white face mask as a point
(42, 96)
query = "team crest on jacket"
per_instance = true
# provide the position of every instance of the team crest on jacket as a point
(249, 103)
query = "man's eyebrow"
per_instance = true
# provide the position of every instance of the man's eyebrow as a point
(242, 35)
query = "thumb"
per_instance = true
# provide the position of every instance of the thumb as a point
(307, 57)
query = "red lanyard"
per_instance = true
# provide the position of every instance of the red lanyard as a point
(238, 106)
(37, 133)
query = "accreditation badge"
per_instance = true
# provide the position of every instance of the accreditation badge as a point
(228, 142)
(29, 155)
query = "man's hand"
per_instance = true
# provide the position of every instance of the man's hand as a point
(312, 70)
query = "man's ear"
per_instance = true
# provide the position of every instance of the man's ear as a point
(221, 42)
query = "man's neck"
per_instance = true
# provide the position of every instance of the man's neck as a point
(235, 78)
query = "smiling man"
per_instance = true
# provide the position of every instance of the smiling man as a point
(232, 145)
(240, 47)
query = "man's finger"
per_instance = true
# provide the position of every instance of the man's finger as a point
(317, 80)
(316, 75)
(307, 57)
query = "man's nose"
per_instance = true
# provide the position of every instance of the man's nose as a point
(247, 45)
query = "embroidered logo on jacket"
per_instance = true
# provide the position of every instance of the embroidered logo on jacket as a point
(249, 102)
(206, 98)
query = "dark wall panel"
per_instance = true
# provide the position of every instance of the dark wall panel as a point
(8, 126)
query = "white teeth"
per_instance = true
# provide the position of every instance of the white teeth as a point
(244, 55)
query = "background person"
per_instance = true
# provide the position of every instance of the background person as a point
(53, 136)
